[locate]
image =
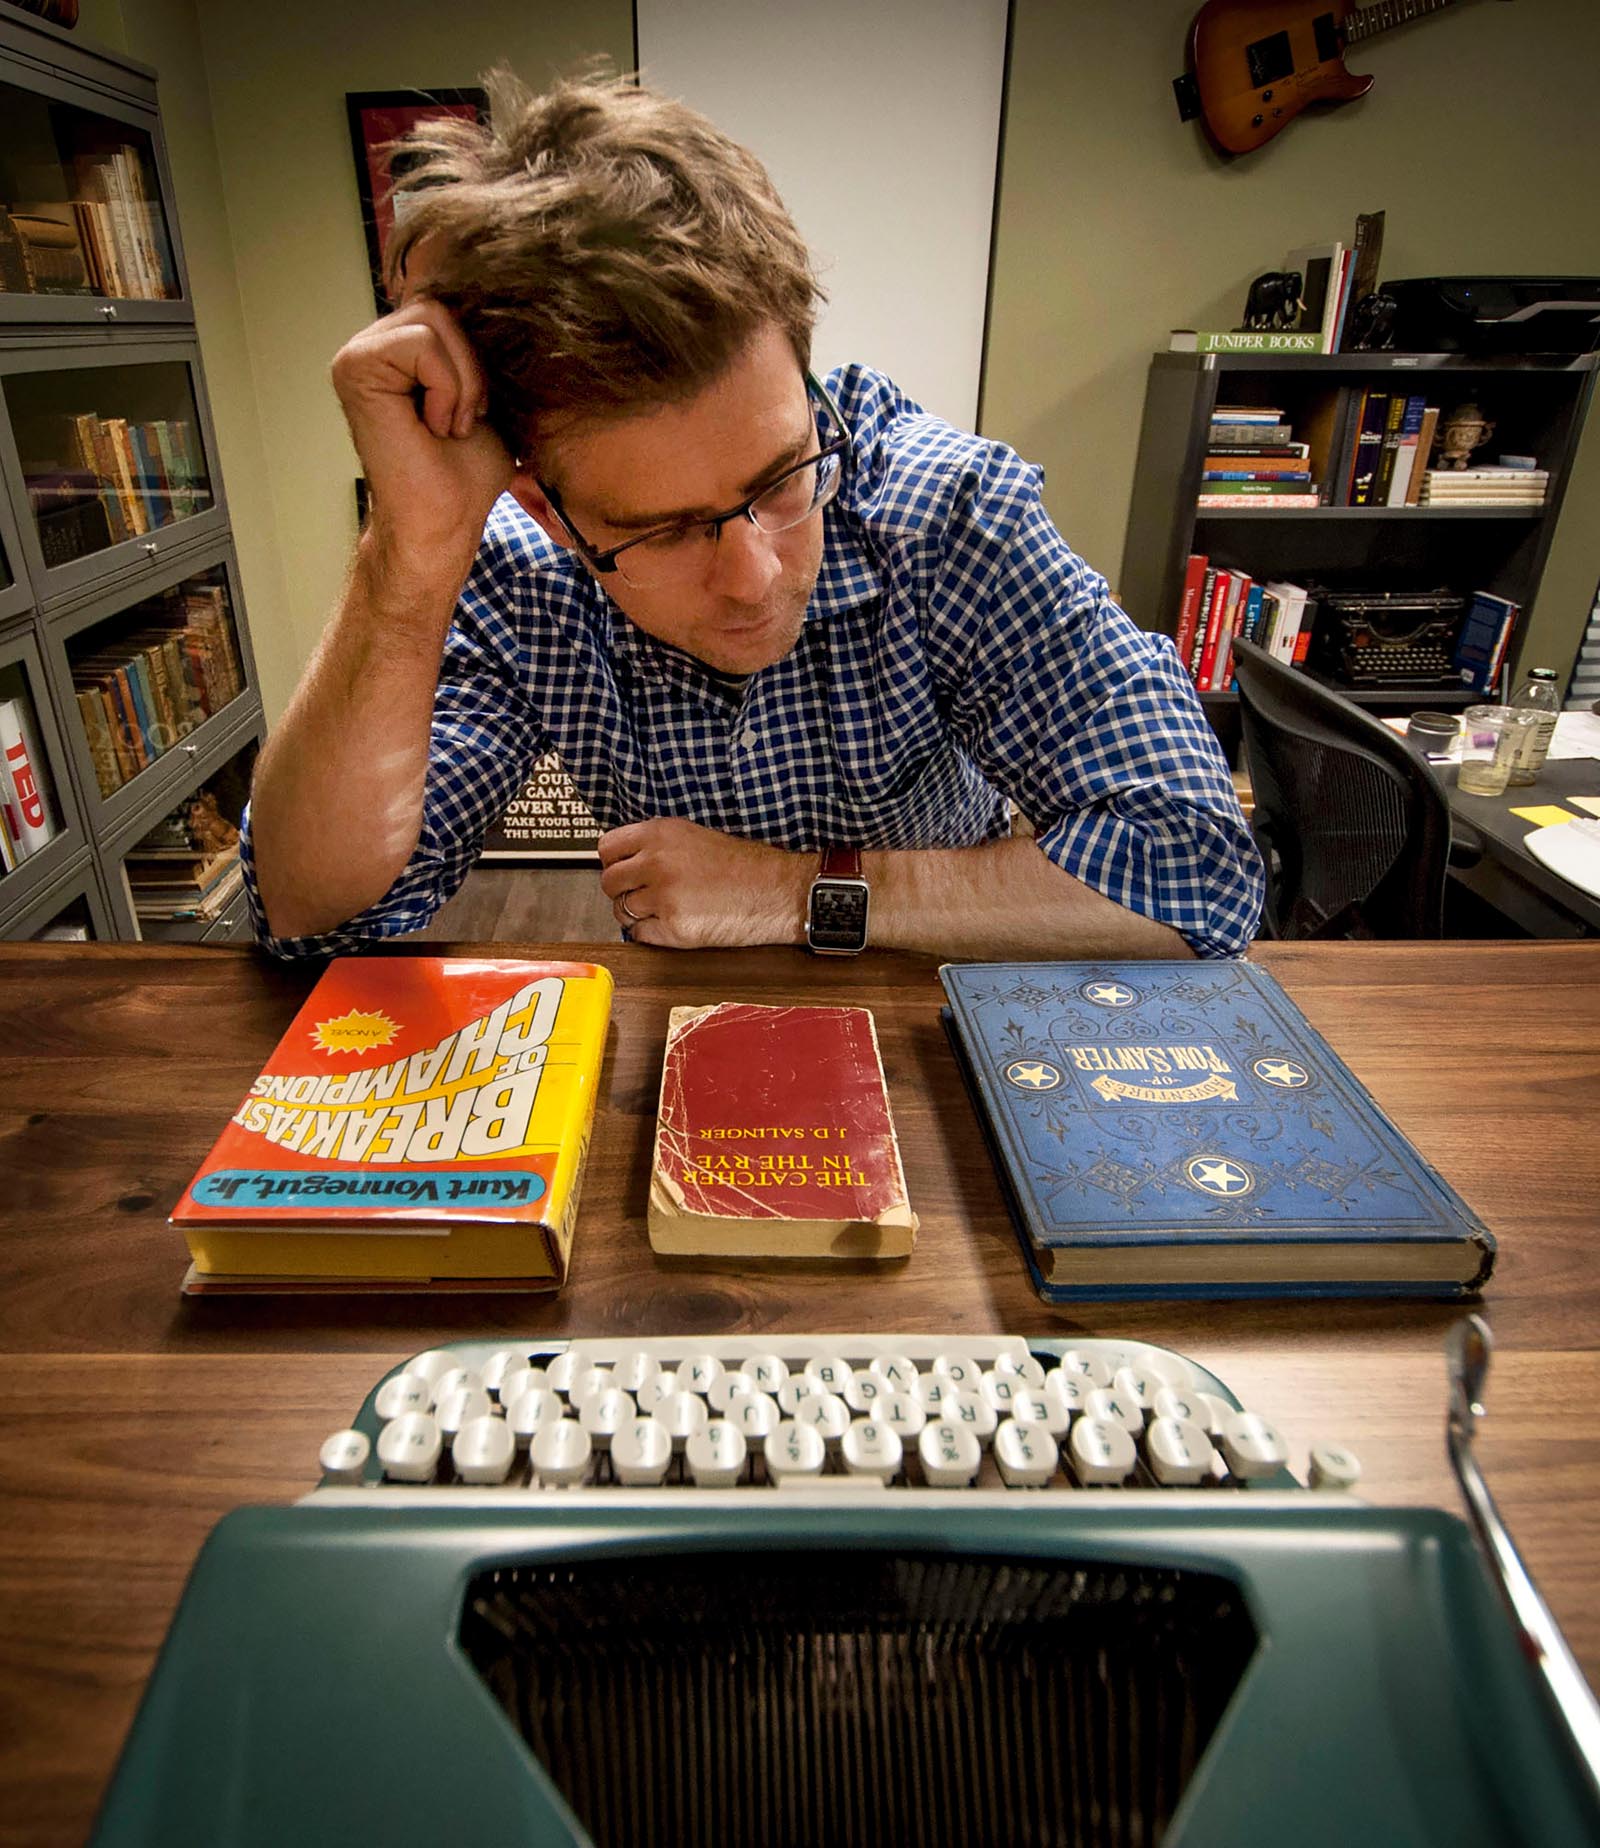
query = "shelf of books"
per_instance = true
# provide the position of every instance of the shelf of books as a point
(86, 233)
(129, 709)
(1350, 512)
(176, 878)
(158, 671)
(111, 455)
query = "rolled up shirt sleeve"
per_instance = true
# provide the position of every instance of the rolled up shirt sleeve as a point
(484, 739)
(1089, 723)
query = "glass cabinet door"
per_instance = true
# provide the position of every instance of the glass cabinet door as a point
(32, 814)
(81, 211)
(154, 672)
(181, 878)
(108, 453)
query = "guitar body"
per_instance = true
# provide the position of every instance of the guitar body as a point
(1257, 63)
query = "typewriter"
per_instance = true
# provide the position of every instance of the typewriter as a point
(1398, 639)
(852, 1589)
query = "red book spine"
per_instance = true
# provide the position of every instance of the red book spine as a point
(1189, 604)
(1208, 652)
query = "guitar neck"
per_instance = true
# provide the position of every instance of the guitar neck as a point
(1367, 21)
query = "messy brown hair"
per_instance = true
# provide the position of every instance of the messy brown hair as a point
(603, 247)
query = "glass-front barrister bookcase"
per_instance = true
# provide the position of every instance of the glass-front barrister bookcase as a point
(129, 708)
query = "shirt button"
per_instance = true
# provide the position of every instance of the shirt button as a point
(747, 738)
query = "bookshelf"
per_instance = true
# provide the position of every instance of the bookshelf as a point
(128, 688)
(1538, 403)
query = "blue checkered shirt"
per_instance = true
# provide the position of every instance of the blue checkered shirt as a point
(956, 657)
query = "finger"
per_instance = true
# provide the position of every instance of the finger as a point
(617, 843)
(624, 876)
(471, 384)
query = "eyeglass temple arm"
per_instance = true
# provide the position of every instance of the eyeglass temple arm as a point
(1468, 1349)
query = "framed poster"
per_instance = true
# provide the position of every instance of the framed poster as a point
(377, 119)
(546, 820)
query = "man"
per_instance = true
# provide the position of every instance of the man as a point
(759, 618)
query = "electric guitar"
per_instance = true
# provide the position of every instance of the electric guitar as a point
(1255, 64)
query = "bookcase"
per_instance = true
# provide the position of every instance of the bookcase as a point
(1538, 404)
(130, 712)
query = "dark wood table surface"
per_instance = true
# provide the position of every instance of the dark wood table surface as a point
(136, 1419)
(1508, 877)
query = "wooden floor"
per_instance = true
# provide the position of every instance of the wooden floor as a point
(526, 904)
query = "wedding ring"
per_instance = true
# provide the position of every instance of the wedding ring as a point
(628, 911)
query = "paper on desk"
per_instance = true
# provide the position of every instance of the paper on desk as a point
(1546, 815)
(1577, 735)
(1589, 804)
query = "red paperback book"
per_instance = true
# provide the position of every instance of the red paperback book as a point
(774, 1139)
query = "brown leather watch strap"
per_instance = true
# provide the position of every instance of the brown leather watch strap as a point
(841, 863)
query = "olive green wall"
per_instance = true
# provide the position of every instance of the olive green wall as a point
(252, 97)
(1117, 222)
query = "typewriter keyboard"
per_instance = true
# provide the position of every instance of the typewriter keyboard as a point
(821, 1412)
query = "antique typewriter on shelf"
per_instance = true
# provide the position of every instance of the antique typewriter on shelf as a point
(1396, 639)
(854, 1589)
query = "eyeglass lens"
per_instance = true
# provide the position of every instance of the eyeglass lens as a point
(685, 550)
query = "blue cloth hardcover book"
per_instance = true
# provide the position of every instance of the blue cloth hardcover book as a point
(1167, 1129)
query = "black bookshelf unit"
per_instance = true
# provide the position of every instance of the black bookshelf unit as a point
(1538, 404)
(126, 674)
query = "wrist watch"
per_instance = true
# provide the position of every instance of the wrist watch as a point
(836, 916)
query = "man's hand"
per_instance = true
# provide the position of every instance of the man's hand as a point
(414, 396)
(684, 887)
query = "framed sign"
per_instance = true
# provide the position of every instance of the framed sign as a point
(546, 820)
(377, 119)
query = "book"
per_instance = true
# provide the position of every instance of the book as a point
(1244, 340)
(1405, 455)
(1365, 256)
(1222, 436)
(1362, 460)
(1246, 486)
(1215, 611)
(774, 1137)
(1272, 504)
(1180, 1129)
(1480, 646)
(1210, 473)
(1393, 423)
(423, 1118)
(26, 784)
(1321, 270)
(1194, 577)
(1419, 468)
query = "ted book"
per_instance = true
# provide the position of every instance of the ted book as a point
(1180, 1129)
(774, 1138)
(423, 1123)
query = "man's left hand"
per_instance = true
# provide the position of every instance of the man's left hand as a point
(684, 887)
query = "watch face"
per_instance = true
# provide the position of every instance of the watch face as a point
(838, 919)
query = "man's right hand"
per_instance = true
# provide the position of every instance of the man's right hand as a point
(415, 399)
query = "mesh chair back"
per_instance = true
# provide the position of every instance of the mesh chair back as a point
(1353, 824)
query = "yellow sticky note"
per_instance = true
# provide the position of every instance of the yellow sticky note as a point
(1546, 816)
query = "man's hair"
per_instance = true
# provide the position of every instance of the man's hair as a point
(603, 248)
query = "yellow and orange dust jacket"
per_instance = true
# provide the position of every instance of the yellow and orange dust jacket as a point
(423, 1119)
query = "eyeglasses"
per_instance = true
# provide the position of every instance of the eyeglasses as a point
(682, 553)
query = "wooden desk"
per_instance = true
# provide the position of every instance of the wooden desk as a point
(134, 1419)
(1508, 877)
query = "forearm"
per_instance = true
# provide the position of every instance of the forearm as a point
(1005, 899)
(336, 808)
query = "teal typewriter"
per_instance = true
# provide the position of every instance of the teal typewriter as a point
(876, 1590)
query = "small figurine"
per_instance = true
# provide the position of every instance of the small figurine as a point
(209, 828)
(1465, 429)
(1274, 300)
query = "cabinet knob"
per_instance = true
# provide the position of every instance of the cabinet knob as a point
(191, 750)
(151, 549)
(109, 310)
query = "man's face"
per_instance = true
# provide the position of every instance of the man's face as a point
(632, 474)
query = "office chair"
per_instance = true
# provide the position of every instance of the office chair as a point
(1353, 824)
